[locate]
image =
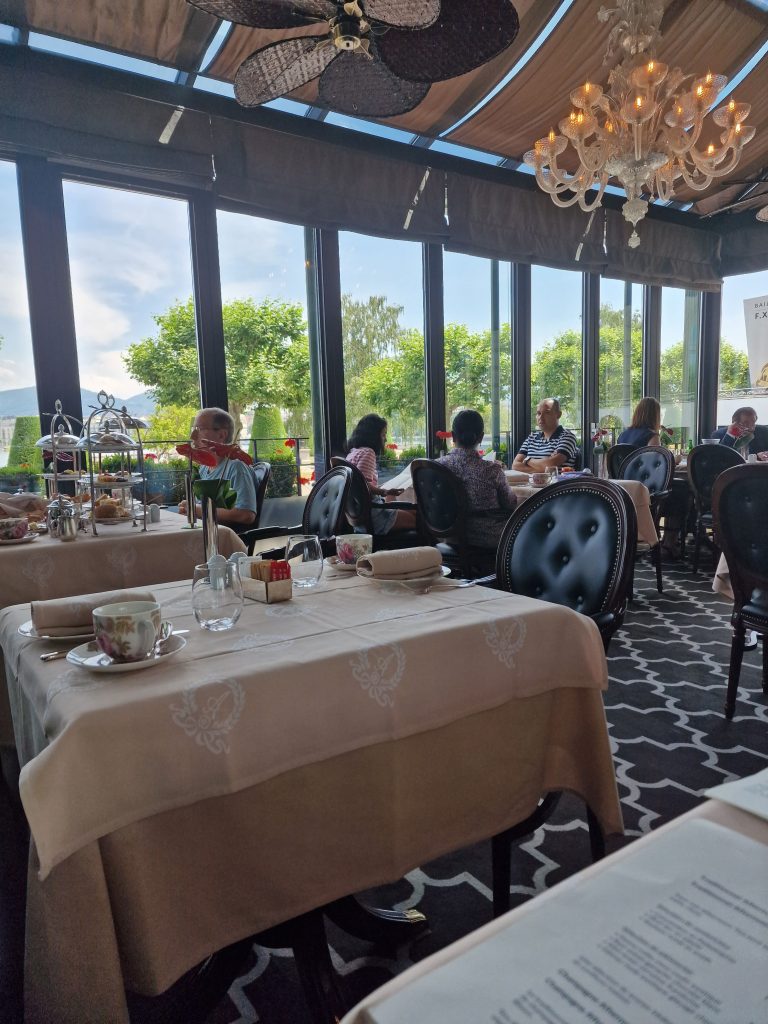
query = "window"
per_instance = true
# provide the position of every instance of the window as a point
(134, 313)
(556, 342)
(264, 299)
(620, 369)
(472, 346)
(382, 322)
(743, 357)
(680, 329)
(19, 422)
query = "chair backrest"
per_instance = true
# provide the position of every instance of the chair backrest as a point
(615, 456)
(705, 464)
(578, 460)
(324, 510)
(571, 544)
(739, 503)
(358, 507)
(653, 465)
(442, 502)
(261, 473)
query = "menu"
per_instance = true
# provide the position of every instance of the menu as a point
(674, 932)
(750, 794)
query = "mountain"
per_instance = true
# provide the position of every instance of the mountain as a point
(23, 402)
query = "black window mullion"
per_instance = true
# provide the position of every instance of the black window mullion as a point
(434, 345)
(206, 275)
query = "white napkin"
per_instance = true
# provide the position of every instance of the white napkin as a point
(403, 564)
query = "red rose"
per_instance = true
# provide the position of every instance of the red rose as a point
(290, 442)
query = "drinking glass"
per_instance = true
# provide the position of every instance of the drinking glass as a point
(217, 596)
(305, 557)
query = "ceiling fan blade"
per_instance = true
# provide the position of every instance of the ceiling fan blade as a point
(354, 84)
(280, 68)
(465, 36)
(268, 13)
(403, 13)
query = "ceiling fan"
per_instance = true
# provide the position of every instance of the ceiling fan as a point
(373, 58)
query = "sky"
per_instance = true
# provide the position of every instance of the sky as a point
(129, 258)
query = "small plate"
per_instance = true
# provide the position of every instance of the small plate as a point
(418, 584)
(91, 657)
(20, 540)
(28, 630)
(335, 563)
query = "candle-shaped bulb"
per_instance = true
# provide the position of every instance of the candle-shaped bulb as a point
(650, 66)
(551, 135)
(639, 102)
(710, 150)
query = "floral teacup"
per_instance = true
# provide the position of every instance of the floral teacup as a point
(127, 631)
(352, 546)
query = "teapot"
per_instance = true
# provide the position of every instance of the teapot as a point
(57, 510)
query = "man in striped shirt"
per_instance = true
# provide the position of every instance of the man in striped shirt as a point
(551, 446)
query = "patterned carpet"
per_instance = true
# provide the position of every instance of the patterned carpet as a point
(668, 670)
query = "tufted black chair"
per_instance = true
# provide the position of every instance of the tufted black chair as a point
(705, 463)
(615, 457)
(654, 466)
(358, 512)
(443, 507)
(323, 514)
(739, 503)
(571, 544)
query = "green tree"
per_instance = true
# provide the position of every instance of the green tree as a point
(257, 340)
(371, 332)
(734, 367)
(169, 423)
(26, 431)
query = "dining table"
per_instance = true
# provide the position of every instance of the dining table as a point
(665, 928)
(121, 556)
(322, 746)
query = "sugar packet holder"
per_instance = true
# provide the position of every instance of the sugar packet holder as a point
(256, 576)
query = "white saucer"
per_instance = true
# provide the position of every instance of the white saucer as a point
(20, 540)
(417, 583)
(89, 656)
(28, 630)
(335, 563)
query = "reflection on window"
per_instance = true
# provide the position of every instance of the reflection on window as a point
(743, 362)
(621, 354)
(20, 461)
(264, 300)
(680, 318)
(382, 323)
(556, 343)
(134, 313)
(477, 339)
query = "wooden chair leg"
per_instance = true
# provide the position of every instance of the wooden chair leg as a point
(501, 851)
(596, 837)
(656, 560)
(737, 654)
(765, 661)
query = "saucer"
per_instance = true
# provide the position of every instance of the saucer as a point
(91, 657)
(20, 540)
(417, 584)
(28, 630)
(335, 563)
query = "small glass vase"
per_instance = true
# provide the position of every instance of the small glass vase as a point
(600, 464)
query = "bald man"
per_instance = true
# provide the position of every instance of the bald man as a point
(549, 447)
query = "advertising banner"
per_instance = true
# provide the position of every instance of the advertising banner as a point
(756, 319)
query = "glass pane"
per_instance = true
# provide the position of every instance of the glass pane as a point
(20, 461)
(134, 313)
(477, 341)
(382, 321)
(556, 344)
(680, 318)
(743, 355)
(264, 296)
(621, 354)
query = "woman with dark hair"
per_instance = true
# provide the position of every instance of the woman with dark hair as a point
(487, 487)
(645, 427)
(363, 448)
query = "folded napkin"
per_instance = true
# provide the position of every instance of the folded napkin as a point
(405, 564)
(66, 615)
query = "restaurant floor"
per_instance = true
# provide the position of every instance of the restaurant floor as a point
(668, 669)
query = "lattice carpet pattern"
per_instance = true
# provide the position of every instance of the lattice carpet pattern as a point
(668, 672)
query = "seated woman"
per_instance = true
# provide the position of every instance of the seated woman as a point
(487, 487)
(363, 448)
(645, 427)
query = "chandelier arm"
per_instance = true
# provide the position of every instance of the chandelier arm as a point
(691, 181)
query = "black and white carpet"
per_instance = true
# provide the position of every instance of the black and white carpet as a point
(668, 669)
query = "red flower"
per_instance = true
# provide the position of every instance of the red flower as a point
(481, 451)
(444, 435)
(392, 447)
(149, 455)
(205, 453)
(201, 456)
(290, 442)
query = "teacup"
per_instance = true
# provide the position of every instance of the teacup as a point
(352, 546)
(127, 631)
(539, 479)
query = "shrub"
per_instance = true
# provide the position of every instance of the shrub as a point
(282, 482)
(13, 476)
(266, 423)
(416, 451)
(23, 452)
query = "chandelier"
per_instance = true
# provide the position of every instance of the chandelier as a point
(644, 129)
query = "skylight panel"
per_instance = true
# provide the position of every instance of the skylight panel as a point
(216, 43)
(105, 58)
(465, 152)
(7, 34)
(358, 124)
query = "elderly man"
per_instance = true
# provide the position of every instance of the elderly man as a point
(744, 435)
(549, 447)
(217, 425)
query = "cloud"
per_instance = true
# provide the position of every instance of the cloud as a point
(97, 323)
(9, 374)
(105, 370)
(13, 283)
